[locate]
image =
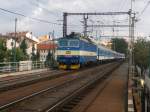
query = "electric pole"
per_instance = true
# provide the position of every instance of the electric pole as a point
(53, 35)
(15, 40)
(85, 17)
(65, 24)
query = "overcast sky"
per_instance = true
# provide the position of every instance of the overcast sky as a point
(52, 10)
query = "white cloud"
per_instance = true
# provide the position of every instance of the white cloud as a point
(26, 23)
(37, 12)
(56, 7)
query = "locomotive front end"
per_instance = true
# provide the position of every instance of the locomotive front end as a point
(68, 53)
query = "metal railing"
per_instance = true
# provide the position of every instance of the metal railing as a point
(6, 67)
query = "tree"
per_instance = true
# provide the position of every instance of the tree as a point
(49, 58)
(37, 56)
(141, 53)
(23, 46)
(3, 50)
(33, 56)
(119, 45)
(19, 55)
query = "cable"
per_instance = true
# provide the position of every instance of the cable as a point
(122, 4)
(146, 6)
(37, 19)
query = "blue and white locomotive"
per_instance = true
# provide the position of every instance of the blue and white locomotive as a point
(74, 51)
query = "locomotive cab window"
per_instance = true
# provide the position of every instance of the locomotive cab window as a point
(63, 43)
(74, 43)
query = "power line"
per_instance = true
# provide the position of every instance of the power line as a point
(146, 6)
(122, 5)
(36, 19)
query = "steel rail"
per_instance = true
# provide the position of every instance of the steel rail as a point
(36, 93)
(32, 95)
(24, 76)
(42, 91)
(79, 90)
(28, 81)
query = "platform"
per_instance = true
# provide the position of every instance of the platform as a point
(23, 73)
(112, 98)
(109, 96)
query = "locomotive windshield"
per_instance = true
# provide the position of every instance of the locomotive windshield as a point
(69, 43)
(63, 43)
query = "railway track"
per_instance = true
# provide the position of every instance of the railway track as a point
(10, 83)
(54, 97)
(20, 81)
(85, 98)
(11, 78)
(68, 103)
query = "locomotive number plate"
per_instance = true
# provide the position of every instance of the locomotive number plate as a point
(68, 52)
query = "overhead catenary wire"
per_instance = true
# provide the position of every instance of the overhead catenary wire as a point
(39, 4)
(144, 9)
(33, 18)
(122, 5)
(36, 19)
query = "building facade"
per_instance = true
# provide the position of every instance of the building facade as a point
(20, 36)
(44, 47)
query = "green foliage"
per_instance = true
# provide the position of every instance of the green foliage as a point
(37, 56)
(8, 55)
(3, 50)
(33, 55)
(49, 56)
(23, 46)
(50, 60)
(141, 53)
(119, 45)
(19, 55)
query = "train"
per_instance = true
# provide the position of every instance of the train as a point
(75, 51)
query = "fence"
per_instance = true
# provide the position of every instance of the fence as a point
(21, 66)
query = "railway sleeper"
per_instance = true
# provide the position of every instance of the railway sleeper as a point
(75, 101)
(69, 106)
(75, 98)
